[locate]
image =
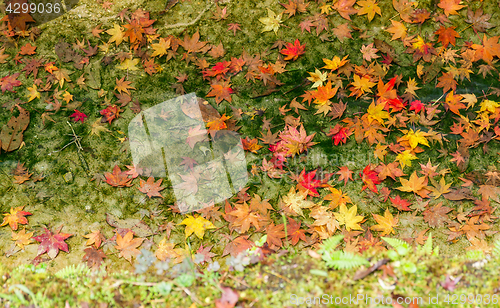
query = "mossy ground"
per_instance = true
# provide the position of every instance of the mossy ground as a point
(80, 204)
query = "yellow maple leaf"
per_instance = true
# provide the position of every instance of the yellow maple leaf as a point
(336, 197)
(335, 63)
(196, 225)
(414, 184)
(129, 64)
(377, 112)
(361, 85)
(405, 158)
(440, 188)
(325, 9)
(116, 34)
(33, 93)
(369, 7)
(296, 201)
(166, 250)
(489, 106)
(397, 29)
(349, 217)
(160, 49)
(67, 97)
(386, 223)
(317, 77)
(414, 138)
(22, 238)
(411, 87)
(271, 22)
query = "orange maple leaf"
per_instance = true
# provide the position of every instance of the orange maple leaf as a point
(251, 145)
(221, 92)
(15, 216)
(293, 51)
(488, 49)
(415, 184)
(118, 178)
(450, 7)
(447, 35)
(128, 246)
(345, 174)
(386, 223)
(447, 82)
(344, 8)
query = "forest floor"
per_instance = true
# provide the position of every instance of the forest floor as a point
(369, 144)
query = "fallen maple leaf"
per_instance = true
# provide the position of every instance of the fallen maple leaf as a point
(221, 92)
(386, 223)
(296, 201)
(118, 178)
(167, 251)
(293, 51)
(51, 243)
(196, 225)
(95, 238)
(8, 82)
(370, 8)
(93, 257)
(15, 216)
(128, 246)
(349, 217)
(450, 7)
(22, 238)
(370, 178)
(415, 184)
(271, 22)
(150, 187)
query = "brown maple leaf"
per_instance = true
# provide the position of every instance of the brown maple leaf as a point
(238, 245)
(436, 216)
(150, 188)
(274, 234)
(93, 257)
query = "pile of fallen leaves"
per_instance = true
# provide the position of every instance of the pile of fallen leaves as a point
(398, 127)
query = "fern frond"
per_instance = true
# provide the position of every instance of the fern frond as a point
(396, 243)
(496, 249)
(73, 271)
(331, 243)
(344, 260)
(474, 255)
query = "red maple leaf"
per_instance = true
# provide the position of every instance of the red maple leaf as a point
(400, 203)
(310, 181)
(293, 51)
(370, 178)
(339, 134)
(51, 243)
(110, 113)
(78, 116)
(9, 82)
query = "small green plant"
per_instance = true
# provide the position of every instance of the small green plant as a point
(339, 259)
